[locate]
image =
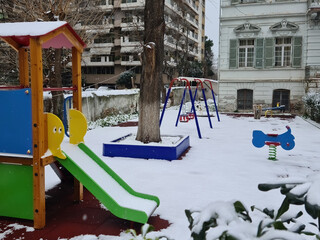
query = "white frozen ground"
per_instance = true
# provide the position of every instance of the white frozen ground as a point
(222, 166)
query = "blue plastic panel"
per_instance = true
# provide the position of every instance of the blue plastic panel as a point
(16, 122)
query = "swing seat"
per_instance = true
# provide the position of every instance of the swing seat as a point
(190, 115)
(184, 118)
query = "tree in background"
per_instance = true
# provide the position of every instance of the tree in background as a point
(195, 69)
(125, 79)
(208, 58)
(152, 68)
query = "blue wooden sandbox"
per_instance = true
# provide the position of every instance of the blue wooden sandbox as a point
(165, 152)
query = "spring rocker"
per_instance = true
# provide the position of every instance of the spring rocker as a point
(271, 109)
(185, 117)
(285, 140)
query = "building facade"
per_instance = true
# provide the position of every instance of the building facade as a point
(119, 35)
(269, 53)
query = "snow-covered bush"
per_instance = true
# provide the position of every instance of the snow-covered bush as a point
(312, 106)
(146, 229)
(111, 120)
(299, 192)
(233, 221)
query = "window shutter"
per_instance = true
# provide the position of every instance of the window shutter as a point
(269, 52)
(259, 52)
(297, 52)
(233, 53)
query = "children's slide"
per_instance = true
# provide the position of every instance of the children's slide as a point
(113, 192)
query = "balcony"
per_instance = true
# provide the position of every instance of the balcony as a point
(132, 23)
(134, 5)
(102, 61)
(192, 5)
(127, 42)
(192, 20)
(130, 63)
(193, 36)
(106, 7)
(313, 6)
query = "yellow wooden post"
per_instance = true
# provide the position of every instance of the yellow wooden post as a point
(76, 79)
(77, 104)
(37, 133)
(23, 67)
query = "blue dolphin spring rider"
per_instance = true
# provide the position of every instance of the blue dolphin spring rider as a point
(285, 140)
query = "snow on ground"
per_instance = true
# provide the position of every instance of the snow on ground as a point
(222, 166)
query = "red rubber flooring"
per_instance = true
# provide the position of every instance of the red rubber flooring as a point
(66, 219)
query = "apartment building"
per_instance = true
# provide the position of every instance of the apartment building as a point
(269, 53)
(119, 35)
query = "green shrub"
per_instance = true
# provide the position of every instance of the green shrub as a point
(312, 106)
(125, 79)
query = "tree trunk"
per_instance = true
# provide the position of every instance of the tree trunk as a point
(151, 77)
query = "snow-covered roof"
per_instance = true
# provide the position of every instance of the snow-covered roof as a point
(29, 28)
(21, 32)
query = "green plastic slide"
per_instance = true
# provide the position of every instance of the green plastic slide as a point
(114, 193)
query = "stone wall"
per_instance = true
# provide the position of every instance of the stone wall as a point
(99, 104)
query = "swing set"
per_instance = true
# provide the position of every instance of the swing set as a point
(185, 116)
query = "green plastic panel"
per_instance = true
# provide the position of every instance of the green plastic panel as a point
(16, 191)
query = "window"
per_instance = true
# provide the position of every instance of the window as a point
(246, 53)
(95, 58)
(98, 70)
(244, 99)
(128, 1)
(128, 18)
(104, 39)
(266, 52)
(130, 58)
(281, 97)
(283, 52)
(136, 70)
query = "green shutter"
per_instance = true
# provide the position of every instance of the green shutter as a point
(297, 52)
(269, 52)
(259, 53)
(233, 53)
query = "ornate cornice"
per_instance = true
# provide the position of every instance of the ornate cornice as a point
(247, 28)
(284, 25)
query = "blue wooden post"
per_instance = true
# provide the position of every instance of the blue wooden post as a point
(215, 105)
(195, 113)
(205, 101)
(165, 105)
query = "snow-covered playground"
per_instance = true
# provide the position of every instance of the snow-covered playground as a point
(222, 166)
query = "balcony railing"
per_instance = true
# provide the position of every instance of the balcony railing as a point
(314, 5)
